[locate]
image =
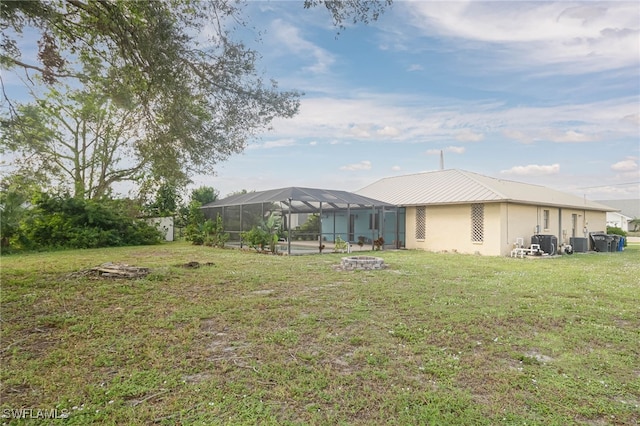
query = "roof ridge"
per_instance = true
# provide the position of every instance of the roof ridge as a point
(387, 178)
(477, 181)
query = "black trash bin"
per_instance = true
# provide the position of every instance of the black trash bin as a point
(614, 242)
(548, 243)
(601, 242)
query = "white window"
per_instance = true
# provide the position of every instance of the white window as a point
(545, 221)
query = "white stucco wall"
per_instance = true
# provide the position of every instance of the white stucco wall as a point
(523, 221)
(618, 220)
(448, 227)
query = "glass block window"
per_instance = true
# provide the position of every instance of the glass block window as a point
(477, 223)
(421, 222)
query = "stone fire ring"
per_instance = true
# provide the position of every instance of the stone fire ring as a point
(362, 263)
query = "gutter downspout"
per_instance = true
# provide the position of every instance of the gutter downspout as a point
(560, 236)
(289, 230)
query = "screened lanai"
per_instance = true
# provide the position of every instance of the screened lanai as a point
(312, 219)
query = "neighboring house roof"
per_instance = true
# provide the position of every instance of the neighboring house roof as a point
(618, 215)
(458, 186)
(630, 208)
(301, 199)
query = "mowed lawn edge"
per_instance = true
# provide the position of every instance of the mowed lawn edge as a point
(246, 338)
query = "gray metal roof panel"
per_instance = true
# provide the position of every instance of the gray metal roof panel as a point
(628, 207)
(458, 186)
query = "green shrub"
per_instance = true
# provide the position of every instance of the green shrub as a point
(266, 234)
(257, 238)
(340, 245)
(613, 230)
(209, 233)
(65, 222)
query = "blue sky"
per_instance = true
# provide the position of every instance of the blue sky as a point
(539, 92)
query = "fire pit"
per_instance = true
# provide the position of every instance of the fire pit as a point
(362, 262)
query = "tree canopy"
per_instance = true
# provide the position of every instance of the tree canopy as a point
(76, 136)
(195, 90)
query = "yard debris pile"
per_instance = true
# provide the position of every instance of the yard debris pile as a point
(194, 265)
(113, 270)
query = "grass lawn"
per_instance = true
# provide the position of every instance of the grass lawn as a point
(256, 339)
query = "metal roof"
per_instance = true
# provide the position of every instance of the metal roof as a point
(301, 199)
(629, 208)
(458, 186)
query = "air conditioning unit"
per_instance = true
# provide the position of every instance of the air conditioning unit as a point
(579, 244)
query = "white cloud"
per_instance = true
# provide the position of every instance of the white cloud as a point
(453, 149)
(396, 168)
(313, 143)
(456, 149)
(533, 170)
(628, 165)
(517, 135)
(467, 135)
(388, 131)
(289, 37)
(569, 136)
(633, 119)
(359, 131)
(415, 67)
(596, 36)
(416, 119)
(363, 165)
(280, 143)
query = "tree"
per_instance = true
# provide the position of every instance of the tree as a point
(77, 137)
(199, 100)
(204, 195)
(199, 230)
(15, 192)
(167, 200)
(352, 11)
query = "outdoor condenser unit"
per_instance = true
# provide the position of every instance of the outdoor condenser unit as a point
(579, 244)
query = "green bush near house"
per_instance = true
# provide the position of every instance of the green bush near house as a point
(612, 230)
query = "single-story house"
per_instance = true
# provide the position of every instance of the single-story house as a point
(628, 211)
(618, 220)
(460, 211)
